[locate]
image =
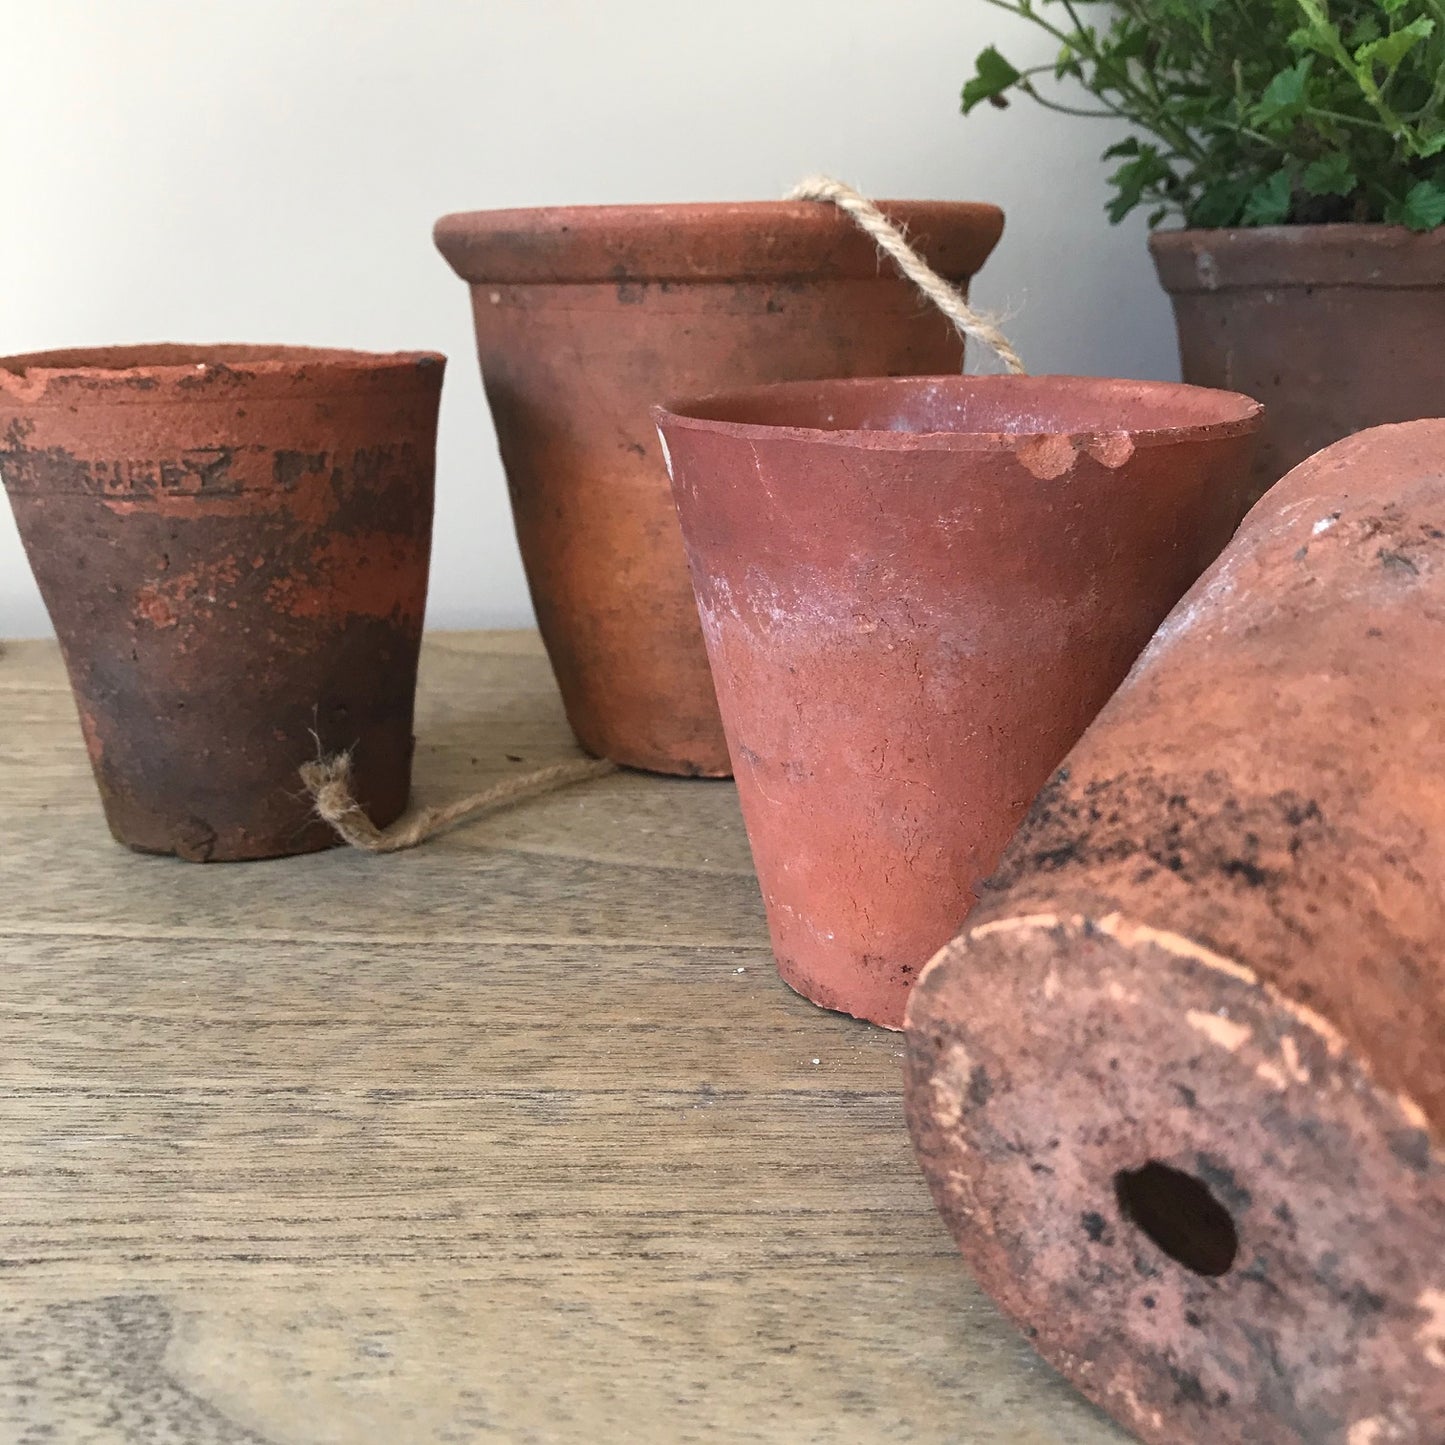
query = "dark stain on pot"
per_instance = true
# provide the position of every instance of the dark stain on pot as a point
(198, 472)
(1222, 1183)
(1195, 832)
(247, 594)
(290, 467)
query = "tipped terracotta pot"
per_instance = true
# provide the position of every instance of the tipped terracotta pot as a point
(585, 317)
(916, 594)
(1178, 1090)
(1335, 328)
(233, 543)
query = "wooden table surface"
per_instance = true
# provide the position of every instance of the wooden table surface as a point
(515, 1137)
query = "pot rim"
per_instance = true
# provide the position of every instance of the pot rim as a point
(1345, 253)
(704, 241)
(1238, 415)
(167, 360)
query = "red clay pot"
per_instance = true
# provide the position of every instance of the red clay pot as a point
(1335, 328)
(587, 316)
(1179, 1088)
(233, 543)
(916, 594)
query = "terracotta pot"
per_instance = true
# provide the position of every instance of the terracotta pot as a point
(916, 594)
(1335, 328)
(233, 544)
(587, 316)
(1179, 1090)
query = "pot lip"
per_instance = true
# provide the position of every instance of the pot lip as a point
(203, 372)
(703, 241)
(1239, 415)
(1339, 254)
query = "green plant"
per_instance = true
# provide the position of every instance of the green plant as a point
(1252, 112)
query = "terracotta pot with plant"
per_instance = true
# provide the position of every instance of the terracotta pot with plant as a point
(1302, 144)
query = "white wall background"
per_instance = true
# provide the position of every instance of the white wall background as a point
(269, 170)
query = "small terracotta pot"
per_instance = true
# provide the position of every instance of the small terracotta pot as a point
(1178, 1089)
(1335, 328)
(233, 543)
(585, 317)
(916, 594)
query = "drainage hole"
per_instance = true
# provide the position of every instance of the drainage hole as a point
(1180, 1215)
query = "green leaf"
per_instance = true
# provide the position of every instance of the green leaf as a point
(1269, 202)
(1068, 64)
(1129, 41)
(1423, 208)
(1284, 96)
(1146, 171)
(1391, 49)
(1220, 204)
(1366, 29)
(1331, 175)
(994, 76)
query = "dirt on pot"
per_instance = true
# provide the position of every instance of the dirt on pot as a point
(233, 545)
(1177, 1089)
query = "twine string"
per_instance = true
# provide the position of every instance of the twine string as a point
(328, 780)
(890, 239)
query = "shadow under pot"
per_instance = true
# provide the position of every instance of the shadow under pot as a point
(916, 594)
(587, 316)
(233, 544)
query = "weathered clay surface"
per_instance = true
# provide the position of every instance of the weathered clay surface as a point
(587, 316)
(1334, 328)
(233, 545)
(916, 594)
(1178, 1089)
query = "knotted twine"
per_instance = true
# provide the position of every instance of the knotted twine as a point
(328, 779)
(891, 240)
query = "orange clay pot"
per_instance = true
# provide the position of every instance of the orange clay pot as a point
(1178, 1089)
(232, 542)
(585, 317)
(916, 594)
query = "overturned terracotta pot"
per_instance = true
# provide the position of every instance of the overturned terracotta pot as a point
(233, 543)
(585, 317)
(1178, 1090)
(1335, 328)
(916, 594)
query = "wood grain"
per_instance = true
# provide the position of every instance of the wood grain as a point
(515, 1137)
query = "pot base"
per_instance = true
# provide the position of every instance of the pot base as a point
(1233, 1233)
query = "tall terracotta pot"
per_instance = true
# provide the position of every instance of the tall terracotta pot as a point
(1335, 328)
(585, 317)
(916, 594)
(1179, 1088)
(233, 544)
